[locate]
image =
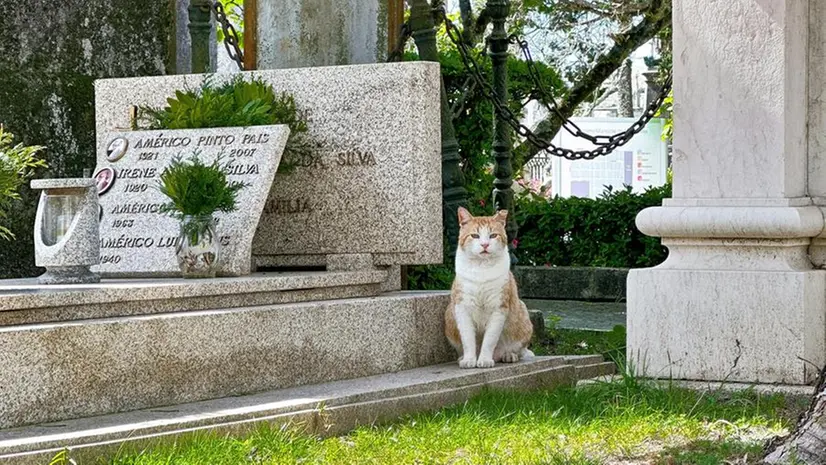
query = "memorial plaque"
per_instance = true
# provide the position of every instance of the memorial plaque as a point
(135, 238)
(365, 178)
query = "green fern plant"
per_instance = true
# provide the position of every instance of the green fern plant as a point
(231, 104)
(236, 103)
(197, 189)
(17, 165)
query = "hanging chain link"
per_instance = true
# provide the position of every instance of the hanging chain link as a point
(231, 41)
(605, 144)
(404, 35)
(569, 125)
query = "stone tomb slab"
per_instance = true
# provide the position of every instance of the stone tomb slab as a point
(135, 238)
(366, 176)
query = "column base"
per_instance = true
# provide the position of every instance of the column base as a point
(725, 325)
(737, 299)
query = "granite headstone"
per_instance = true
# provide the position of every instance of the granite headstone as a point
(366, 177)
(136, 239)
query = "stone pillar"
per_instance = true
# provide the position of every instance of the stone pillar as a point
(738, 298)
(183, 42)
(301, 33)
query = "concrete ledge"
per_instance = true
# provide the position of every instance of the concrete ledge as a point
(25, 301)
(129, 363)
(324, 409)
(790, 390)
(571, 283)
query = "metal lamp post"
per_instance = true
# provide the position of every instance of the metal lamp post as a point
(498, 46)
(454, 194)
(200, 13)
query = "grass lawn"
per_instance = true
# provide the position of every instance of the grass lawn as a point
(557, 341)
(623, 422)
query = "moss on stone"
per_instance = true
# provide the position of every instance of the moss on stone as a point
(52, 55)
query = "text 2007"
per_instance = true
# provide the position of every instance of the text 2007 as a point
(238, 153)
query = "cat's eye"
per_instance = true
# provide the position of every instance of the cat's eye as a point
(475, 236)
(494, 236)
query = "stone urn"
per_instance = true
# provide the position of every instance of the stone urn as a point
(66, 230)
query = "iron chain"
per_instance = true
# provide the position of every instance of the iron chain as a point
(404, 35)
(569, 125)
(605, 144)
(231, 41)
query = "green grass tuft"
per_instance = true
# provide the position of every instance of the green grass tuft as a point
(627, 420)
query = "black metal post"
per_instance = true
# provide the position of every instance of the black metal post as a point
(199, 31)
(454, 194)
(498, 46)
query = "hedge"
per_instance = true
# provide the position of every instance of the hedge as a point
(573, 232)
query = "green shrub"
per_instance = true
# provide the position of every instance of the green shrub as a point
(231, 104)
(17, 165)
(571, 232)
(588, 232)
(197, 189)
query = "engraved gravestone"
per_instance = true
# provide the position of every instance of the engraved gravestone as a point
(135, 238)
(365, 178)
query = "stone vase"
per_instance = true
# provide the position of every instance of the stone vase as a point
(66, 233)
(198, 248)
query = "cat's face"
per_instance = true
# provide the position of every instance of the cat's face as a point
(483, 237)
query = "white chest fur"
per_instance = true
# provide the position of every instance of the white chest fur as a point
(482, 284)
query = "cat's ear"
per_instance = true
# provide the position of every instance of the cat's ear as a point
(464, 216)
(502, 217)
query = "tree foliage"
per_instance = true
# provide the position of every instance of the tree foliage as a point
(474, 113)
(17, 164)
(234, 9)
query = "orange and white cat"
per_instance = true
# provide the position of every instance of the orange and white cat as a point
(485, 321)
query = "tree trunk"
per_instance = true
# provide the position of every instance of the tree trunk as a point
(625, 90)
(606, 64)
(807, 444)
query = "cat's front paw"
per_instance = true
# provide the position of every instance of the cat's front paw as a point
(510, 358)
(469, 362)
(484, 363)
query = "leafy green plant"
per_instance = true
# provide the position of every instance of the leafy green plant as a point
(571, 232)
(17, 164)
(588, 232)
(235, 103)
(197, 189)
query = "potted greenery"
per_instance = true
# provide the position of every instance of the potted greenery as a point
(196, 191)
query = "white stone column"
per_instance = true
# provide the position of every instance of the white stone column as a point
(738, 298)
(302, 33)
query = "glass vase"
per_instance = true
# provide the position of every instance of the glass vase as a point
(198, 248)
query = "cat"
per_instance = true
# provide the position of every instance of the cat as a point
(485, 310)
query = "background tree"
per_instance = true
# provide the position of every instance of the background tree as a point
(586, 41)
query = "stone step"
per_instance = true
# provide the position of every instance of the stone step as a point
(326, 408)
(71, 369)
(592, 316)
(24, 301)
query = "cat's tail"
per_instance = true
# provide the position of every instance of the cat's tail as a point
(526, 354)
